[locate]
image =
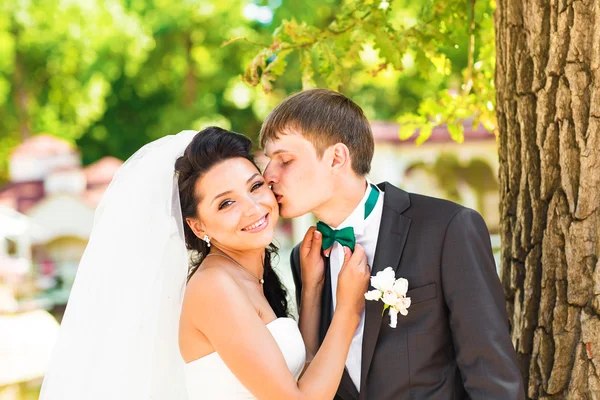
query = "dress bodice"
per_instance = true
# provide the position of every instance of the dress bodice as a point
(208, 378)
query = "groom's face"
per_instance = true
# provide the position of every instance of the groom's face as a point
(301, 181)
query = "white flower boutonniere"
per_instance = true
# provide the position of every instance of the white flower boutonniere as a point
(392, 292)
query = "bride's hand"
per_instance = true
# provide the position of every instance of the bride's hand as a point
(353, 281)
(312, 264)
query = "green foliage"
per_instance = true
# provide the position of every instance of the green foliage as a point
(187, 82)
(112, 75)
(449, 45)
(55, 70)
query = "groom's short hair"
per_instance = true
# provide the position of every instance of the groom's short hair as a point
(324, 118)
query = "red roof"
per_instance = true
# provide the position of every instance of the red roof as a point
(389, 132)
(21, 196)
(93, 196)
(43, 145)
(102, 171)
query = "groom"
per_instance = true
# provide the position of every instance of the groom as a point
(454, 343)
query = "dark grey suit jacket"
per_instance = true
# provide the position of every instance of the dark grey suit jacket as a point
(454, 343)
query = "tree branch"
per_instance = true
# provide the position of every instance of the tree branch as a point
(471, 49)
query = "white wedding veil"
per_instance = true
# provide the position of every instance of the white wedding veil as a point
(119, 334)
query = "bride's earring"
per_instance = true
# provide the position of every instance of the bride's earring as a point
(207, 240)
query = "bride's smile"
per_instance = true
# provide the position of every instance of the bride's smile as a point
(258, 226)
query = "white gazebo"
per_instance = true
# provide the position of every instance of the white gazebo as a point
(16, 235)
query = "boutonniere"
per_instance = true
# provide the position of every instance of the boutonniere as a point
(392, 292)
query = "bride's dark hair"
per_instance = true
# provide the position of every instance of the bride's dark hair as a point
(208, 148)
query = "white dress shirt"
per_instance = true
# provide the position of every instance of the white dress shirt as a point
(366, 232)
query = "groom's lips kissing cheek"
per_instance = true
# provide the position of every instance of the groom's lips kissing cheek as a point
(258, 225)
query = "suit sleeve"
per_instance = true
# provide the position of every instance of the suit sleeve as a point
(296, 273)
(477, 312)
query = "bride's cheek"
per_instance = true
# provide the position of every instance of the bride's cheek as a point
(268, 197)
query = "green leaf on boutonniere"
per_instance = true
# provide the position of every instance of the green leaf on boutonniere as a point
(385, 307)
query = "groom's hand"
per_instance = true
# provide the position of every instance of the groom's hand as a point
(312, 264)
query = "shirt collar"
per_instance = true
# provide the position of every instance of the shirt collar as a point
(356, 219)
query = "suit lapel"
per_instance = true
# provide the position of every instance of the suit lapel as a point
(393, 232)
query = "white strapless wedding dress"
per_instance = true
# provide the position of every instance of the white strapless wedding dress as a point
(208, 378)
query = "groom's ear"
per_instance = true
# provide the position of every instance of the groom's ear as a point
(340, 156)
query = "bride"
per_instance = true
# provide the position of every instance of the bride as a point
(140, 325)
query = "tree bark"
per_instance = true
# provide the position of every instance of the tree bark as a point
(548, 109)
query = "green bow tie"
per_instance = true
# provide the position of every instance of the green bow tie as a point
(345, 236)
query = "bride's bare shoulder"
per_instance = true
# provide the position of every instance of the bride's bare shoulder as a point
(211, 296)
(212, 279)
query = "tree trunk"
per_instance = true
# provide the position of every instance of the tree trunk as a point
(548, 108)
(20, 97)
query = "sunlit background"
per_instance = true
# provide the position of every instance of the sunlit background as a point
(83, 84)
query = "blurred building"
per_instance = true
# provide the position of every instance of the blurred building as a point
(465, 173)
(44, 165)
(58, 196)
(46, 217)
(15, 256)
